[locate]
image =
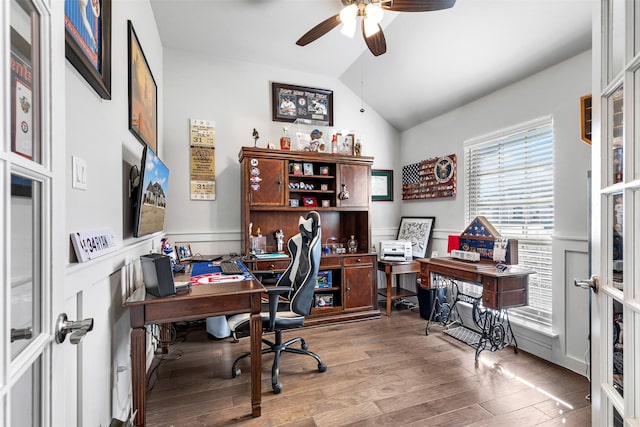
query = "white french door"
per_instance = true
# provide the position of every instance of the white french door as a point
(26, 210)
(616, 214)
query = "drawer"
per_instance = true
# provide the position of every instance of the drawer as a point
(499, 300)
(272, 265)
(358, 260)
(330, 262)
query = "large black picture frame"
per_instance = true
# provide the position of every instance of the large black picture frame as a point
(91, 59)
(290, 103)
(143, 94)
(418, 231)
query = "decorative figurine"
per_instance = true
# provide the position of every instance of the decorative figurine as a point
(357, 148)
(317, 143)
(279, 235)
(255, 137)
(344, 194)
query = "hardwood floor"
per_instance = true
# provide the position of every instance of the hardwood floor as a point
(382, 372)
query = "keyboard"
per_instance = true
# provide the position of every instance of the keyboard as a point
(230, 267)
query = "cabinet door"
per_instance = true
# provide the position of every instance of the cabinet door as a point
(266, 182)
(356, 179)
(358, 287)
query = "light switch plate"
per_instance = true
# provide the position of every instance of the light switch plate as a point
(78, 173)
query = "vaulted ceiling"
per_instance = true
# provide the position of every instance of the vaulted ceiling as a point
(435, 61)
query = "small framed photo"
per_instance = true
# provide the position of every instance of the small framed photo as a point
(183, 250)
(326, 203)
(345, 143)
(324, 170)
(324, 187)
(294, 203)
(295, 168)
(309, 202)
(307, 168)
(323, 300)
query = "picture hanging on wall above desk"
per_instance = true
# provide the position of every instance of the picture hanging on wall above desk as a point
(430, 179)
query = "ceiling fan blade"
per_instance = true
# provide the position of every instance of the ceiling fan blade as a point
(376, 43)
(418, 5)
(319, 30)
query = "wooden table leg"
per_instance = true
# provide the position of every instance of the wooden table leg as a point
(256, 364)
(389, 292)
(138, 374)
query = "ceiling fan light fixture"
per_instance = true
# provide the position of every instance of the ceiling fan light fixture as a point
(370, 27)
(373, 13)
(348, 18)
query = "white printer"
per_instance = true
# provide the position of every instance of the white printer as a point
(395, 250)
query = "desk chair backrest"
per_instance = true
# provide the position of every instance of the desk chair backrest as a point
(302, 273)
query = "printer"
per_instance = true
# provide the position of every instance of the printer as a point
(395, 250)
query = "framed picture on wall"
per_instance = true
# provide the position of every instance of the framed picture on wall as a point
(345, 143)
(290, 103)
(418, 231)
(381, 185)
(143, 95)
(88, 42)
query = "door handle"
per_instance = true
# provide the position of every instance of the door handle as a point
(78, 329)
(593, 283)
(21, 333)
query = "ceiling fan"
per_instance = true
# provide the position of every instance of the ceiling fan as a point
(371, 12)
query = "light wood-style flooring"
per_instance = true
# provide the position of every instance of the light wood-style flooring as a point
(383, 372)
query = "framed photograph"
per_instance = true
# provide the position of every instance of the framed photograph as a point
(88, 42)
(345, 143)
(323, 300)
(295, 168)
(294, 203)
(324, 170)
(326, 203)
(143, 95)
(298, 102)
(418, 231)
(381, 185)
(183, 251)
(309, 202)
(307, 168)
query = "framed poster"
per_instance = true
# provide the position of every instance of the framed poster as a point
(381, 185)
(290, 103)
(88, 41)
(418, 231)
(143, 95)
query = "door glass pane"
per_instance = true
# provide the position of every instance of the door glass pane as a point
(617, 258)
(615, 419)
(26, 404)
(637, 119)
(616, 136)
(25, 262)
(615, 37)
(24, 83)
(617, 349)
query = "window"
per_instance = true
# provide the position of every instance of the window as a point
(509, 180)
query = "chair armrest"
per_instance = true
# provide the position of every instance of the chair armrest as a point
(274, 293)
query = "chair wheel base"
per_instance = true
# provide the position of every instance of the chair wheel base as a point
(277, 388)
(322, 367)
(235, 372)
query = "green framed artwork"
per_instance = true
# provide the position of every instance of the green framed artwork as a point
(382, 185)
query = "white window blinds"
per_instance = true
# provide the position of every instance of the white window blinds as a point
(509, 180)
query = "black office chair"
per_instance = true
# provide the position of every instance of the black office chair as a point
(289, 300)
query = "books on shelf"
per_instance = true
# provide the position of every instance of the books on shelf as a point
(324, 279)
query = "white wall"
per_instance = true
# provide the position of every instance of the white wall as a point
(556, 92)
(237, 97)
(97, 131)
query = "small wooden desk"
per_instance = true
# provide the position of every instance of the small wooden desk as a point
(393, 268)
(500, 290)
(200, 302)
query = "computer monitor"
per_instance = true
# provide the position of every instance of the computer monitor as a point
(150, 196)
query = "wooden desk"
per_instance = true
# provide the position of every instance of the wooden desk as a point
(500, 290)
(201, 301)
(393, 268)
